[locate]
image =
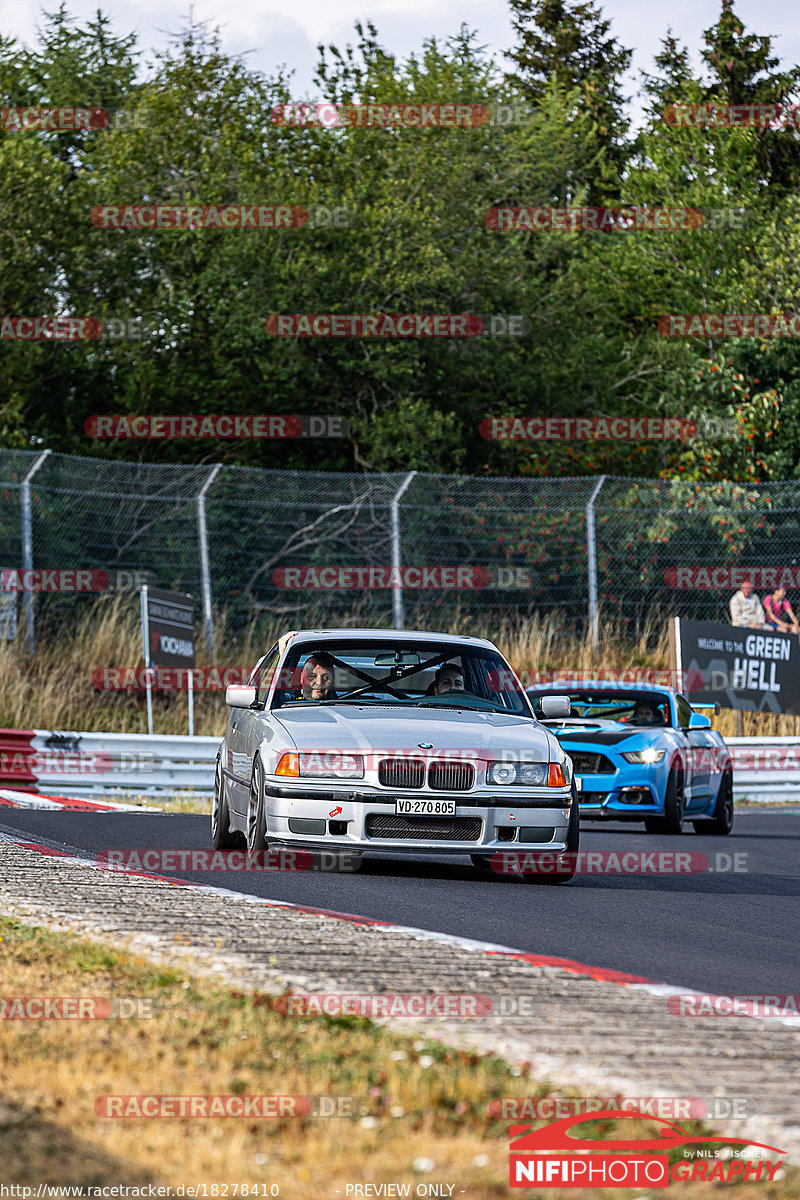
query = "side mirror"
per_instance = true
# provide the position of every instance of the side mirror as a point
(555, 706)
(699, 721)
(240, 695)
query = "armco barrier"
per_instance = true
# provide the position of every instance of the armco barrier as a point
(765, 768)
(42, 760)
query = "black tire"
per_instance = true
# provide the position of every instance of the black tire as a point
(573, 846)
(721, 820)
(674, 803)
(256, 814)
(222, 836)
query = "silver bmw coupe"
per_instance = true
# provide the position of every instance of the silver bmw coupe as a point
(392, 741)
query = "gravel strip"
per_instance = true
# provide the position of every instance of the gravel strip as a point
(599, 1037)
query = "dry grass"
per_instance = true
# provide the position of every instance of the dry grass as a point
(54, 689)
(420, 1099)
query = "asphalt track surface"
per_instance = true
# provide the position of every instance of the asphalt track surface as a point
(722, 931)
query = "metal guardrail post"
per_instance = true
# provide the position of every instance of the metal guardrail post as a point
(205, 570)
(397, 593)
(27, 546)
(591, 555)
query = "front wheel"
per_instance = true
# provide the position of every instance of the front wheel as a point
(256, 812)
(721, 820)
(222, 836)
(674, 803)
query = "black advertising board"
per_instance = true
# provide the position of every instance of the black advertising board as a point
(753, 669)
(170, 628)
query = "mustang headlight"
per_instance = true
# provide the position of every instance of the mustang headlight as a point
(331, 765)
(650, 755)
(524, 774)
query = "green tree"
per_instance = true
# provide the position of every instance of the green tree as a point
(569, 41)
(743, 71)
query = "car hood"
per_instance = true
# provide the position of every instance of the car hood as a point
(346, 728)
(605, 733)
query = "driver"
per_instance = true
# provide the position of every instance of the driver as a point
(449, 678)
(316, 678)
(646, 712)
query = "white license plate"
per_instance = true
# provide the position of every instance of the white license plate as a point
(578, 783)
(425, 808)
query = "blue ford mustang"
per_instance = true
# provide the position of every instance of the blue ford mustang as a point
(642, 753)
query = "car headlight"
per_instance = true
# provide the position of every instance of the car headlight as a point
(330, 765)
(525, 774)
(650, 755)
(321, 765)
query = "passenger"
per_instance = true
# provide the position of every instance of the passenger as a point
(449, 678)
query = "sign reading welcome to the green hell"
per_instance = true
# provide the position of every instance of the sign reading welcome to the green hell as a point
(753, 669)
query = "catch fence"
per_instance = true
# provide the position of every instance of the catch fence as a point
(395, 548)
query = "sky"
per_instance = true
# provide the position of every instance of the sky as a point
(274, 34)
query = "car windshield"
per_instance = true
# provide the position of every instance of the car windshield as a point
(631, 708)
(408, 673)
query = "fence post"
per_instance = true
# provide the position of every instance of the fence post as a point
(205, 571)
(27, 546)
(397, 592)
(591, 555)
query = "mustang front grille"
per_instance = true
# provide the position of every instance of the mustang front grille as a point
(588, 763)
(451, 776)
(401, 772)
(423, 829)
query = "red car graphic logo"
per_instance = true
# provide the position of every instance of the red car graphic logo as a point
(556, 1136)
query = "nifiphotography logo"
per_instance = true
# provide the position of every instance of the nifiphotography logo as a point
(552, 1157)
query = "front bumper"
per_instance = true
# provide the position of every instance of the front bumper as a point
(364, 819)
(611, 797)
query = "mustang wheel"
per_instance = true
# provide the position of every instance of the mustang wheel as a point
(256, 815)
(721, 820)
(674, 804)
(222, 836)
